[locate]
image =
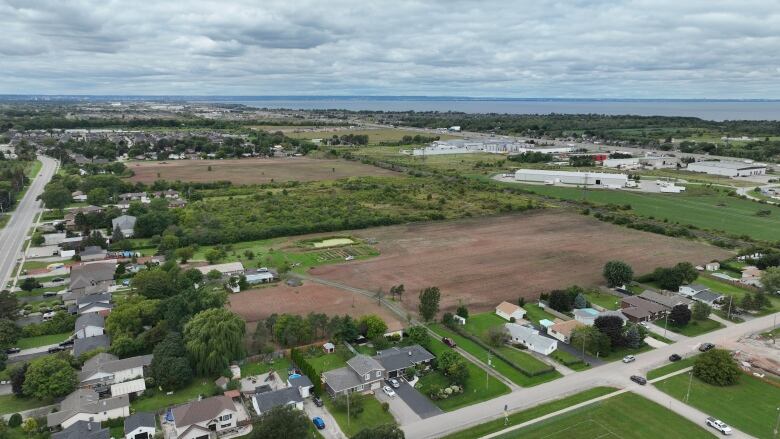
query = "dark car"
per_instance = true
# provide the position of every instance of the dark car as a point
(12, 351)
(704, 347)
(54, 349)
(67, 343)
(58, 279)
(317, 401)
(448, 342)
(638, 379)
(675, 357)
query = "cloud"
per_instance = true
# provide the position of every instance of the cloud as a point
(562, 48)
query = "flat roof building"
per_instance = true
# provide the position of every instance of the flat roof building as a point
(728, 168)
(574, 178)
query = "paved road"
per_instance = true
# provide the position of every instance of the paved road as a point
(332, 430)
(613, 374)
(13, 235)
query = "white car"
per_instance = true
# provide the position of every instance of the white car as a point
(388, 391)
(719, 425)
(645, 324)
(629, 358)
(394, 383)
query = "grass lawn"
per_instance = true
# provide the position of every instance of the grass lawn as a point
(603, 300)
(736, 292)
(534, 313)
(622, 352)
(325, 362)
(671, 367)
(372, 416)
(34, 265)
(568, 360)
(43, 340)
(750, 405)
(476, 389)
(157, 400)
(479, 324)
(12, 404)
(694, 327)
(521, 358)
(532, 413)
(280, 365)
(610, 419)
(660, 338)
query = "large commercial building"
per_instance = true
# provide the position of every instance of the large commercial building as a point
(576, 178)
(493, 146)
(728, 169)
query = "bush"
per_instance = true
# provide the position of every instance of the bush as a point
(15, 420)
(385, 406)
(716, 367)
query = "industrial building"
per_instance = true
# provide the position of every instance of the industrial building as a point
(575, 178)
(728, 169)
(493, 146)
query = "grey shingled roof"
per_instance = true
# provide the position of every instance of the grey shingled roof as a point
(84, 401)
(108, 363)
(363, 364)
(82, 345)
(268, 400)
(92, 298)
(398, 358)
(90, 319)
(707, 296)
(84, 275)
(667, 301)
(140, 419)
(341, 379)
(203, 410)
(83, 430)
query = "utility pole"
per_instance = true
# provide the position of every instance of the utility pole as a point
(487, 375)
(347, 408)
(666, 322)
(690, 381)
(777, 424)
(728, 314)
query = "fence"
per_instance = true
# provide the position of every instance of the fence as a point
(549, 310)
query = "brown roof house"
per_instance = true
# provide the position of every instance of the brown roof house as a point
(562, 330)
(204, 419)
(637, 309)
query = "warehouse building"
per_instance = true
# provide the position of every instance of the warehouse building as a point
(575, 178)
(728, 169)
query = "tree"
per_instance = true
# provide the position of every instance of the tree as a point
(429, 303)
(8, 304)
(9, 333)
(419, 335)
(15, 420)
(214, 275)
(716, 367)
(617, 273)
(453, 366)
(282, 422)
(374, 326)
(213, 338)
(386, 431)
(17, 379)
(700, 311)
(117, 235)
(129, 317)
(496, 336)
(686, 271)
(30, 426)
(612, 327)
(462, 311)
(633, 337)
(29, 284)
(448, 319)
(97, 196)
(184, 254)
(397, 290)
(154, 284)
(123, 346)
(170, 367)
(680, 315)
(580, 301)
(214, 255)
(771, 280)
(49, 377)
(560, 301)
(593, 340)
(56, 196)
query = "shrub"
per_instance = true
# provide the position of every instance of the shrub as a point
(15, 420)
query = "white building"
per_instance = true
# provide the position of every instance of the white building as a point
(531, 339)
(507, 311)
(199, 419)
(89, 325)
(226, 269)
(575, 178)
(630, 163)
(728, 169)
(141, 425)
(85, 405)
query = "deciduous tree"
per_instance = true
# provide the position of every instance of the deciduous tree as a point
(680, 315)
(617, 273)
(49, 377)
(213, 338)
(429, 303)
(716, 367)
(282, 422)
(700, 311)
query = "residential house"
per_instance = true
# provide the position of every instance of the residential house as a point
(227, 269)
(89, 325)
(301, 382)
(140, 425)
(95, 303)
(638, 310)
(86, 405)
(586, 316)
(508, 311)
(72, 297)
(260, 275)
(176, 204)
(98, 274)
(125, 224)
(292, 395)
(562, 330)
(531, 339)
(83, 430)
(106, 372)
(199, 419)
(669, 301)
(70, 216)
(708, 297)
(712, 266)
(397, 359)
(92, 253)
(692, 289)
(361, 373)
(84, 345)
(78, 196)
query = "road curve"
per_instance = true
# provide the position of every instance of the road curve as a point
(12, 236)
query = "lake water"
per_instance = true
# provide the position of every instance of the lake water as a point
(705, 109)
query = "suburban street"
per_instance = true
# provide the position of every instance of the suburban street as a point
(612, 374)
(13, 235)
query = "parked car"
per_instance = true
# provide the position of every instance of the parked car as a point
(719, 425)
(638, 379)
(629, 358)
(54, 349)
(704, 347)
(675, 357)
(58, 279)
(645, 324)
(448, 342)
(319, 423)
(12, 351)
(68, 342)
(388, 391)
(317, 401)
(394, 383)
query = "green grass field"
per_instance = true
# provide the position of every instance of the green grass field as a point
(477, 388)
(372, 416)
(694, 328)
(326, 362)
(532, 413)
(280, 365)
(705, 209)
(534, 313)
(569, 360)
(626, 416)
(43, 340)
(751, 405)
(671, 367)
(479, 324)
(736, 292)
(603, 300)
(159, 400)
(522, 359)
(622, 352)
(12, 404)
(660, 338)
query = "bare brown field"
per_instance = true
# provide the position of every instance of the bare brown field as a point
(252, 171)
(257, 304)
(484, 261)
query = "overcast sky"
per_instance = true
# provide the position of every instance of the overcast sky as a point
(577, 48)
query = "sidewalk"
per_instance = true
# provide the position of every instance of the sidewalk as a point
(721, 320)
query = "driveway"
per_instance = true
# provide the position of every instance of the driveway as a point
(332, 430)
(417, 402)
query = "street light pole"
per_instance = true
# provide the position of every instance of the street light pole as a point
(690, 381)
(777, 424)
(666, 322)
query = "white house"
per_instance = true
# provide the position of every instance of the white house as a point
(531, 339)
(125, 376)
(89, 325)
(586, 316)
(712, 266)
(141, 425)
(226, 269)
(86, 405)
(507, 311)
(692, 290)
(198, 419)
